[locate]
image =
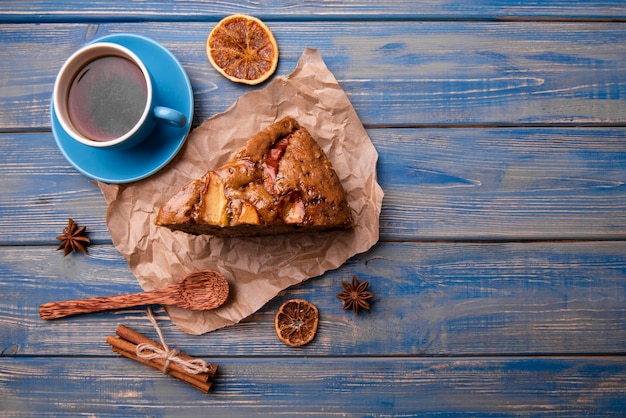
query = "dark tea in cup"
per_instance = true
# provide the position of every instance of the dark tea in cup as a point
(107, 98)
(104, 98)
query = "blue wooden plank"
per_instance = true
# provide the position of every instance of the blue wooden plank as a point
(163, 10)
(431, 299)
(502, 183)
(563, 387)
(455, 184)
(396, 74)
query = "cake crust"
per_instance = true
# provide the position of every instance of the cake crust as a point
(280, 181)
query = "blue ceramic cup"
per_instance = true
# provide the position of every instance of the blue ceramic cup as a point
(104, 97)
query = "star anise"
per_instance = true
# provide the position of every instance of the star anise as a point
(73, 238)
(355, 295)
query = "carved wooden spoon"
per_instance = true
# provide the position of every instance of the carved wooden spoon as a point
(201, 290)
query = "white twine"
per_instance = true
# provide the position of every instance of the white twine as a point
(149, 351)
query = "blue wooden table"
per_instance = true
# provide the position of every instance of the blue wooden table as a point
(500, 275)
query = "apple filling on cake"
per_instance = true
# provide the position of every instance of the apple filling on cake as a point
(281, 181)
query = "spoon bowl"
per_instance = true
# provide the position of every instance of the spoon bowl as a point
(201, 290)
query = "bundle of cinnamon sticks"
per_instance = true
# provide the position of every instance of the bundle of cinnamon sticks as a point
(126, 344)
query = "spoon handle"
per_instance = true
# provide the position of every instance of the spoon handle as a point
(54, 310)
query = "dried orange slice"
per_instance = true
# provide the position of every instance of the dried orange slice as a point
(243, 49)
(296, 322)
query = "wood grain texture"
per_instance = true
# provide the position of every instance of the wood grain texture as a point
(76, 10)
(554, 386)
(500, 278)
(502, 183)
(431, 299)
(395, 74)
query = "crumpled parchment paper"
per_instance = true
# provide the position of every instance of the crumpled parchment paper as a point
(257, 268)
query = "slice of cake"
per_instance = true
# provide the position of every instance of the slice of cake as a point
(281, 181)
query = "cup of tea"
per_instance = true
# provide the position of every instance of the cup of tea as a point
(104, 97)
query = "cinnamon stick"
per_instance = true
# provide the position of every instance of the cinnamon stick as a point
(122, 344)
(137, 338)
(202, 386)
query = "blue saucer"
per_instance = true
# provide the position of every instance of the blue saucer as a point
(173, 89)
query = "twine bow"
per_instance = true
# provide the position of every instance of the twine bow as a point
(149, 351)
